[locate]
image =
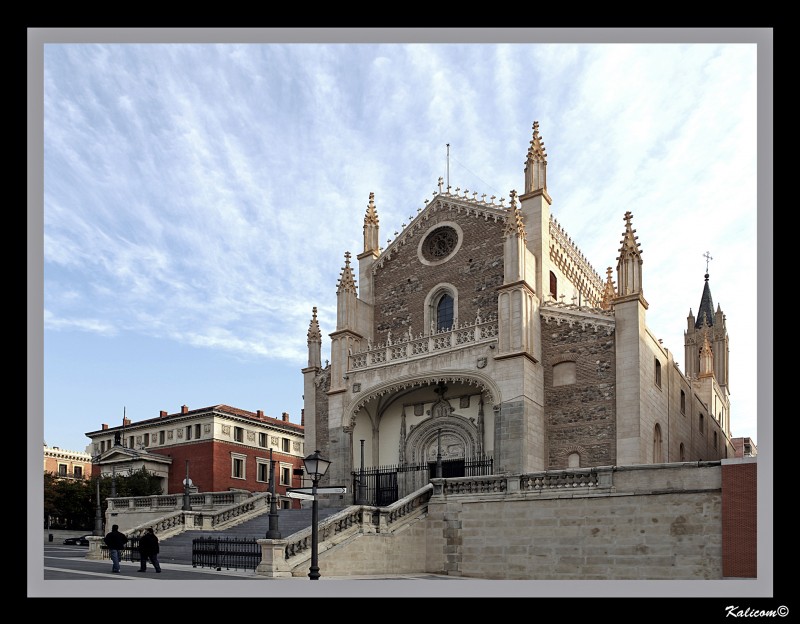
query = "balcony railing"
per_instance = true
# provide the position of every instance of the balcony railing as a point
(409, 347)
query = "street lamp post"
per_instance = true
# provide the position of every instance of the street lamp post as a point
(186, 483)
(98, 516)
(361, 484)
(439, 454)
(113, 481)
(315, 467)
(273, 532)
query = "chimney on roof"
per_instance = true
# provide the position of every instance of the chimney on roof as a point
(285, 416)
(260, 413)
(104, 426)
(126, 422)
(162, 413)
(184, 409)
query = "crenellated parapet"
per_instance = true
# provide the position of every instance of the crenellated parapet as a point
(564, 253)
(587, 318)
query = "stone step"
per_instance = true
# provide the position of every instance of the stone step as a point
(178, 549)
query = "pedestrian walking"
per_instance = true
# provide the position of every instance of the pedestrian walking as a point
(115, 540)
(148, 549)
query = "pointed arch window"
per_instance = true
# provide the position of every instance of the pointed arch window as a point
(682, 452)
(553, 286)
(444, 312)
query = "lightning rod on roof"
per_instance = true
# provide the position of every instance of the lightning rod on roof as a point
(448, 167)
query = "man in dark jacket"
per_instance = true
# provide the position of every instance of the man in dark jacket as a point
(116, 542)
(148, 549)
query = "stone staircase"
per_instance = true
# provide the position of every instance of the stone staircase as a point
(178, 549)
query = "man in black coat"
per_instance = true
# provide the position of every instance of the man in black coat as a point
(116, 542)
(148, 549)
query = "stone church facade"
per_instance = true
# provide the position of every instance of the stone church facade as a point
(481, 330)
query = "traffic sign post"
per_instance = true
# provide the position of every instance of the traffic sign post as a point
(300, 495)
(320, 490)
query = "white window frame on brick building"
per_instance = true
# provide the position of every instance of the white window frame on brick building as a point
(262, 470)
(238, 465)
(285, 474)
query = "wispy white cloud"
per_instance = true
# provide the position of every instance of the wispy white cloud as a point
(205, 194)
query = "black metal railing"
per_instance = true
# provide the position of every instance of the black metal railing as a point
(383, 485)
(228, 553)
(129, 552)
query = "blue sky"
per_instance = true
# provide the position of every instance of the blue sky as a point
(199, 198)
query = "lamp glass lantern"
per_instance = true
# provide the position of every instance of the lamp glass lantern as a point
(316, 466)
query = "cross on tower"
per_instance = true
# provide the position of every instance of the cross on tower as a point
(707, 256)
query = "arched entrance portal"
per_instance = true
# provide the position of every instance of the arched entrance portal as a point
(404, 437)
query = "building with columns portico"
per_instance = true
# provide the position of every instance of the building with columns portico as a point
(482, 331)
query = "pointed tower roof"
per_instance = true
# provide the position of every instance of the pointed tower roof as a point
(705, 313)
(347, 281)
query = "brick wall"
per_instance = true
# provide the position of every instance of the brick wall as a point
(476, 270)
(739, 519)
(580, 416)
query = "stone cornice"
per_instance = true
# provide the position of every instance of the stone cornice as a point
(632, 297)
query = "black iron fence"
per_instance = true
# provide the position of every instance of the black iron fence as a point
(228, 553)
(384, 485)
(129, 552)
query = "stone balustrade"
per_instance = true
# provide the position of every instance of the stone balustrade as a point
(408, 347)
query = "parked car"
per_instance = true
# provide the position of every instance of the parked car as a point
(78, 541)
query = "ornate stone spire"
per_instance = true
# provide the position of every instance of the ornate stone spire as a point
(371, 229)
(314, 335)
(608, 291)
(536, 164)
(347, 281)
(514, 224)
(314, 342)
(629, 262)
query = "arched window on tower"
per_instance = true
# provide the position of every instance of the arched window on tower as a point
(683, 452)
(553, 286)
(444, 313)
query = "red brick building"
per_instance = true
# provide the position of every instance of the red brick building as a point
(221, 447)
